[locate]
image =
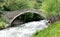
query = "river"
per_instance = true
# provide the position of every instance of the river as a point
(24, 30)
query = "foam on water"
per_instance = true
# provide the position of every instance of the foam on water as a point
(24, 30)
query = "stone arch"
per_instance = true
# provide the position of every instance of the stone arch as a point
(12, 15)
(34, 11)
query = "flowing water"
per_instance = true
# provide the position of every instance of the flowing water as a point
(24, 30)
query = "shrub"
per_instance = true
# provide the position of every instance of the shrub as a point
(2, 25)
(10, 5)
(22, 4)
(50, 7)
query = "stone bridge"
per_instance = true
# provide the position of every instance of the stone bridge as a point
(12, 15)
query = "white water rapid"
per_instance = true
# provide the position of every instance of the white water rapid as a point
(24, 30)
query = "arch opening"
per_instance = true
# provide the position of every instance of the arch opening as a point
(26, 17)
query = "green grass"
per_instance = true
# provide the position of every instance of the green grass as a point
(52, 31)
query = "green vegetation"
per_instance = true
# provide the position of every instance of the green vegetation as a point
(2, 23)
(51, 31)
(10, 5)
(50, 7)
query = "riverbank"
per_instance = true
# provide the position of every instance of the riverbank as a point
(51, 31)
